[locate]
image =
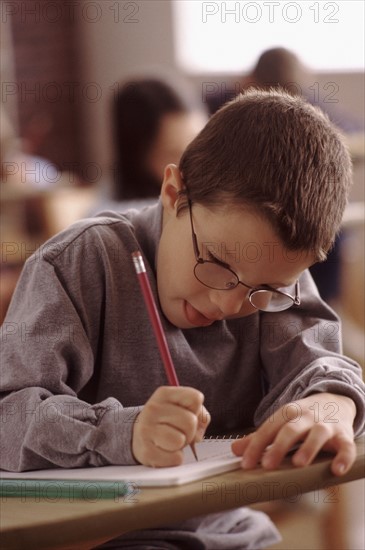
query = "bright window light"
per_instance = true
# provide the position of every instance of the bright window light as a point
(221, 36)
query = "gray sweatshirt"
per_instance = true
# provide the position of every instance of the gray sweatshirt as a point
(79, 357)
(79, 360)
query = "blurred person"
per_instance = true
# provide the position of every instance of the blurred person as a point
(152, 125)
(20, 166)
(277, 67)
(282, 68)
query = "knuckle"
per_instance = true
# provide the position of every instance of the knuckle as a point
(174, 440)
(196, 396)
(152, 410)
(255, 445)
(180, 440)
(347, 442)
(292, 412)
(199, 397)
(290, 431)
(161, 392)
(193, 391)
(323, 430)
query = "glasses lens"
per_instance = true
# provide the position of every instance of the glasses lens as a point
(215, 276)
(270, 301)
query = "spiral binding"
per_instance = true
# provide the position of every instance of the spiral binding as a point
(222, 437)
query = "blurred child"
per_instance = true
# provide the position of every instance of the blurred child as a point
(153, 123)
(282, 68)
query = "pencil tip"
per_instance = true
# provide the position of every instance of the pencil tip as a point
(192, 447)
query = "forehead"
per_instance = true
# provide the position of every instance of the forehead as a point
(233, 221)
(247, 242)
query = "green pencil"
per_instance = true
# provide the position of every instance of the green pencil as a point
(71, 489)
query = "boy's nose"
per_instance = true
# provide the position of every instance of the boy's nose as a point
(230, 302)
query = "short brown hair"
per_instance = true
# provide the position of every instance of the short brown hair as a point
(279, 155)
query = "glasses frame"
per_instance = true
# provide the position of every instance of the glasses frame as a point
(199, 260)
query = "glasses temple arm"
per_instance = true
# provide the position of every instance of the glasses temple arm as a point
(297, 293)
(195, 240)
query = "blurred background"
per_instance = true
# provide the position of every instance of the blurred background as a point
(63, 66)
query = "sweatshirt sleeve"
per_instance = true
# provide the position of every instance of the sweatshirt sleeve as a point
(301, 353)
(46, 360)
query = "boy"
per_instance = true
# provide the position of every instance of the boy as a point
(258, 197)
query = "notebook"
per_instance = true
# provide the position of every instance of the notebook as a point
(215, 457)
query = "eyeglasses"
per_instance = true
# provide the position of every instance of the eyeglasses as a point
(215, 274)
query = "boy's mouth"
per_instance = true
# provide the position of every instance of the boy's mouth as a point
(196, 318)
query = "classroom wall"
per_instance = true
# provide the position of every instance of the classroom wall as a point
(42, 76)
(121, 44)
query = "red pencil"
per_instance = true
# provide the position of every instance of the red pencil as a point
(156, 324)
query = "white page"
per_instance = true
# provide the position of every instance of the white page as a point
(215, 456)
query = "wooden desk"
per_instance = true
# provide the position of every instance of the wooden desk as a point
(82, 524)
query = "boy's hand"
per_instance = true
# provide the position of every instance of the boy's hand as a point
(320, 421)
(172, 418)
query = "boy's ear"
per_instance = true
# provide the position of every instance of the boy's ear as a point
(171, 186)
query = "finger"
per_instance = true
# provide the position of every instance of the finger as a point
(167, 414)
(316, 438)
(346, 454)
(168, 438)
(287, 438)
(288, 418)
(239, 445)
(186, 397)
(344, 447)
(159, 458)
(156, 412)
(194, 427)
(252, 453)
(148, 453)
(258, 442)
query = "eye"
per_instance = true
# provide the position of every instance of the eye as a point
(230, 285)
